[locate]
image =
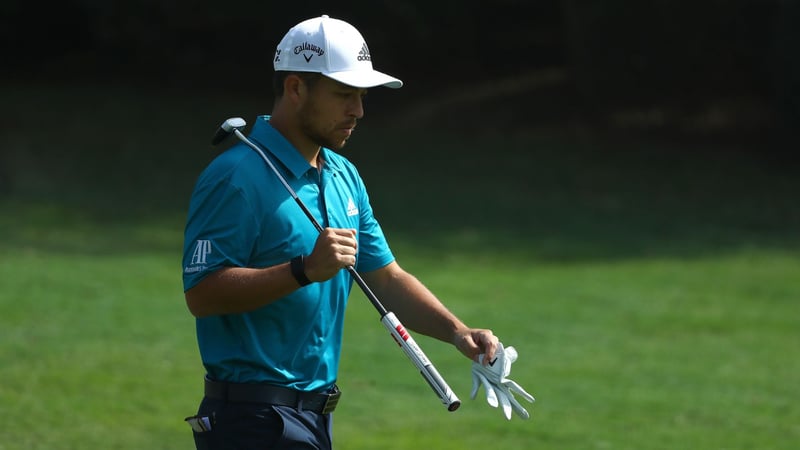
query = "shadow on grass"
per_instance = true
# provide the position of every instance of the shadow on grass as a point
(114, 173)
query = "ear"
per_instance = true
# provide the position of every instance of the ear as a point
(294, 89)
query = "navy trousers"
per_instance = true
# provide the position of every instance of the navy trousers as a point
(258, 426)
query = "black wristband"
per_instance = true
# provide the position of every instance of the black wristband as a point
(298, 266)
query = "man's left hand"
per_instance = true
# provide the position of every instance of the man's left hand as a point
(473, 342)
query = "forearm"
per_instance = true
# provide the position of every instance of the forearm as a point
(239, 289)
(418, 308)
(420, 311)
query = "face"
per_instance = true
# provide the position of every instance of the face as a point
(329, 112)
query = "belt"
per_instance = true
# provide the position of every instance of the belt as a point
(320, 403)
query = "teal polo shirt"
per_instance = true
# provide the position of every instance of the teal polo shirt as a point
(240, 215)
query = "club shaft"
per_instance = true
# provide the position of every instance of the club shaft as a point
(360, 281)
(417, 356)
(389, 320)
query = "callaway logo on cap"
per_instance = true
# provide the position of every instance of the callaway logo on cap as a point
(333, 48)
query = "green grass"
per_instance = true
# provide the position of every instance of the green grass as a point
(98, 351)
(653, 354)
(651, 291)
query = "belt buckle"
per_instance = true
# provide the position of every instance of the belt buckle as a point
(330, 401)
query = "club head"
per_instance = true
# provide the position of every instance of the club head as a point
(227, 127)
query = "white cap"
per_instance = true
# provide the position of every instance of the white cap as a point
(333, 48)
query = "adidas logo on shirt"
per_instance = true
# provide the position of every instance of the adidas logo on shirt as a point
(351, 208)
(363, 55)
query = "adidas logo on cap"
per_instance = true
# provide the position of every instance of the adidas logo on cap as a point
(363, 55)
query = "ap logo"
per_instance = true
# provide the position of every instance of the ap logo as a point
(201, 251)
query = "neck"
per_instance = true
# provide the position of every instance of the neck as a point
(307, 148)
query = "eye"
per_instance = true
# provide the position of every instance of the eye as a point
(350, 95)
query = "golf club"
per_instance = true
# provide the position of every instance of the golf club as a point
(389, 320)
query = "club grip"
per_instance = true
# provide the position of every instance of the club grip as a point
(220, 136)
(417, 356)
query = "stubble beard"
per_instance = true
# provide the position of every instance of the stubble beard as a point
(317, 136)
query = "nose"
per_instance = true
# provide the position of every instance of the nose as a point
(356, 107)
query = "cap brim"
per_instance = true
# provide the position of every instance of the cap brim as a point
(365, 79)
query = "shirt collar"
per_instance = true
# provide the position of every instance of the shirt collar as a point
(273, 141)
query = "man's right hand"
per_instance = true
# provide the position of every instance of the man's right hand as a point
(334, 250)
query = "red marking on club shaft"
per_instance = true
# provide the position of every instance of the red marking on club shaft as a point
(402, 331)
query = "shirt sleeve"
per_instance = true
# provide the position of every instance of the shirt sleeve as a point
(220, 230)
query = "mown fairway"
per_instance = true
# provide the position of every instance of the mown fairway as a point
(652, 291)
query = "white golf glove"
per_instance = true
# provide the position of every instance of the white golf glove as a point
(499, 389)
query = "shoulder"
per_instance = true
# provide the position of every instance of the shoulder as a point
(233, 165)
(336, 160)
(342, 165)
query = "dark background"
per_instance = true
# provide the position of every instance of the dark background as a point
(579, 121)
(713, 66)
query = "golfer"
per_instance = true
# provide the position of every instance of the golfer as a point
(267, 289)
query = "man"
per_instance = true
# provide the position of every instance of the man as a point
(268, 290)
